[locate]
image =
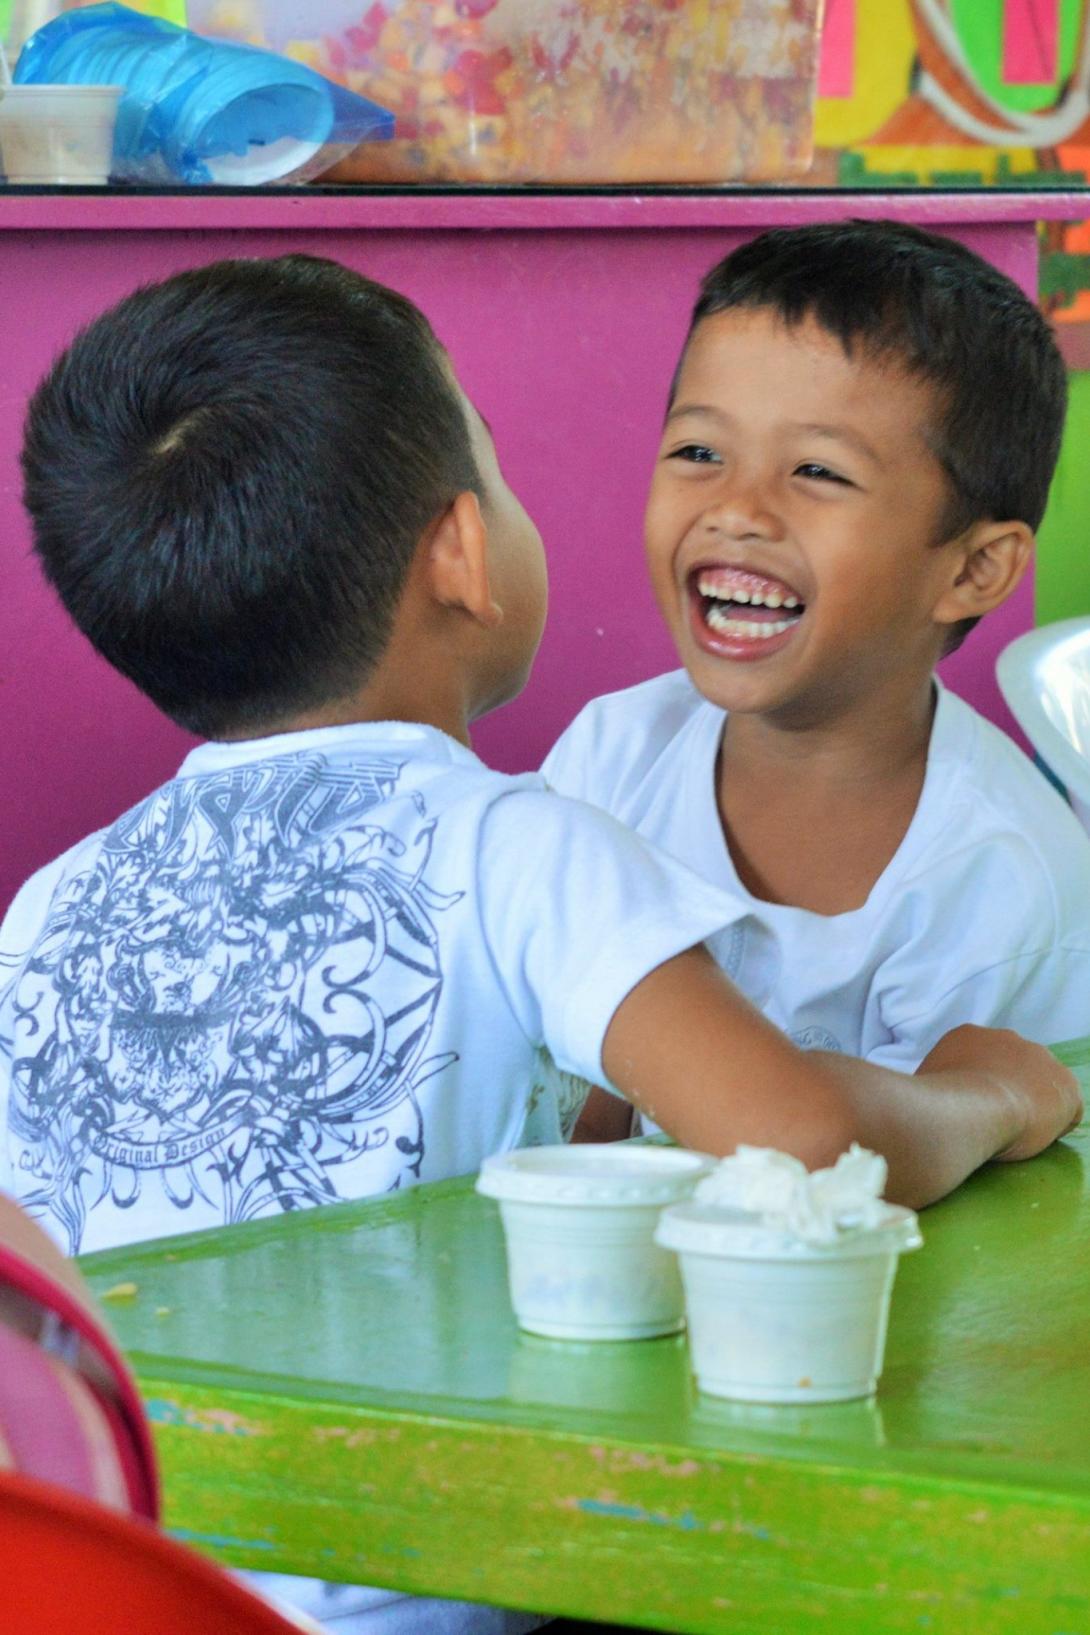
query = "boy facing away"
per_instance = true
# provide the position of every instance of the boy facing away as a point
(336, 954)
(858, 447)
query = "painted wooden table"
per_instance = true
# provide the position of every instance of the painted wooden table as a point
(343, 1392)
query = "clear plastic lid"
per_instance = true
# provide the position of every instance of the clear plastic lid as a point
(621, 1172)
(706, 1229)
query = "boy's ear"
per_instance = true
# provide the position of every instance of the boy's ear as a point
(991, 559)
(457, 561)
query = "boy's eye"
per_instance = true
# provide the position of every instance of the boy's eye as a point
(696, 453)
(814, 470)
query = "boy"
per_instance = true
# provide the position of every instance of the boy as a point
(336, 954)
(859, 444)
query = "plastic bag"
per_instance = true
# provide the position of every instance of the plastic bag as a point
(196, 110)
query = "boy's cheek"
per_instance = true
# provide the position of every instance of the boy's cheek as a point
(660, 533)
(660, 569)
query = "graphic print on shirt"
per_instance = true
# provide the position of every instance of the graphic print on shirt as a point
(815, 1038)
(235, 1001)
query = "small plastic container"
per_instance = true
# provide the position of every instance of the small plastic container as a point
(773, 1318)
(579, 1222)
(194, 110)
(57, 134)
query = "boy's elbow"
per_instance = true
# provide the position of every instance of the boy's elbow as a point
(815, 1127)
(820, 1145)
(828, 1125)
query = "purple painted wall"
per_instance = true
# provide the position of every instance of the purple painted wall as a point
(565, 338)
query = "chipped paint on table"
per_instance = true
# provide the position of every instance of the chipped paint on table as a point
(343, 1392)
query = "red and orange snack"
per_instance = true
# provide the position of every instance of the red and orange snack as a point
(578, 91)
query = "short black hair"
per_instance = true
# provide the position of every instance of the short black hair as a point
(228, 474)
(946, 316)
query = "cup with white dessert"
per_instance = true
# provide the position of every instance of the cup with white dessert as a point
(788, 1275)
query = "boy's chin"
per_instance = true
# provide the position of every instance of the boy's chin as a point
(743, 688)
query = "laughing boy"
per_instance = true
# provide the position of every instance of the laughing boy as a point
(857, 451)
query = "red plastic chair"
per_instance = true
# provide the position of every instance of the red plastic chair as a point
(69, 1409)
(79, 1487)
(70, 1565)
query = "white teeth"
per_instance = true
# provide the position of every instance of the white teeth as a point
(720, 620)
(709, 587)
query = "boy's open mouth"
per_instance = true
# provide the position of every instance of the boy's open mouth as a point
(743, 614)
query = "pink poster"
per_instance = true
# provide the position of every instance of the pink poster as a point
(836, 73)
(1030, 33)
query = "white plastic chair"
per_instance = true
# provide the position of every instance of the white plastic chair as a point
(1045, 679)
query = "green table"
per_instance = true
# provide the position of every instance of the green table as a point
(343, 1392)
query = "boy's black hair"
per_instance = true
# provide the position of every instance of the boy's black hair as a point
(947, 317)
(228, 474)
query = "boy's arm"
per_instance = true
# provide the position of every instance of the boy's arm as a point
(693, 1054)
(605, 1117)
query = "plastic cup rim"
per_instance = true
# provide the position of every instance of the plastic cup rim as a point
(711, 1233)
(579, 1176)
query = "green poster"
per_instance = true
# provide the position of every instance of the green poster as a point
(978, 25)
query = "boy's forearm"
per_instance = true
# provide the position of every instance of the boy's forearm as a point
(694, 1055)
(933, 1129)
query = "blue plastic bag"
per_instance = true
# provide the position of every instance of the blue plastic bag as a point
(197, 110)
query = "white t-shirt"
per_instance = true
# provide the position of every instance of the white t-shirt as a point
(982, 915)
(316, 967)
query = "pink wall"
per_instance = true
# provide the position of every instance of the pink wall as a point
(565, 338)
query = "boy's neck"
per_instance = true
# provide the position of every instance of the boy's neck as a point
(813, 813)
(431, 705)
(435, 671)
(862, 744)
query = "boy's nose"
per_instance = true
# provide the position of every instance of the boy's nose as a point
(742, 511)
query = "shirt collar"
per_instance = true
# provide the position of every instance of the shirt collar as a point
(370, 737)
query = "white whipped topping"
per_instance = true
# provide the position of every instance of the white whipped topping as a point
(822, 1206)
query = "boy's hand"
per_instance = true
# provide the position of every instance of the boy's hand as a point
(1044, 1096)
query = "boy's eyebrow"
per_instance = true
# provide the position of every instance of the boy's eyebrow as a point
(839, 434)
(678, 410)
(845, 434)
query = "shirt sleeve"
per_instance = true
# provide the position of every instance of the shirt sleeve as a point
(1043, 994)
(22, 926)
(576, 911)
(1002, 943)
(565, 768)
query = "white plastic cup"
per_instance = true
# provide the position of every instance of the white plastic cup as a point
(52, 134)
(775, 1319)
(582, 1262)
